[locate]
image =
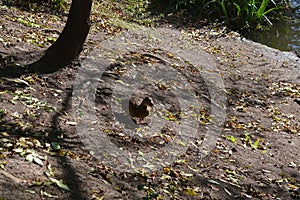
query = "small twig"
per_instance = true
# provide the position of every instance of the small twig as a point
(157, 57)
(11, 177)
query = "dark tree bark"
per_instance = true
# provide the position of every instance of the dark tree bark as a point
(70, 42)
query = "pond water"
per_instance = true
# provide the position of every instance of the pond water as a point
(283, 35)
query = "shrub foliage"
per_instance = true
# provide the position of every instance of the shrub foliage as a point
(238, 14)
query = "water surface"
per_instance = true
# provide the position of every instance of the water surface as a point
(283, 35)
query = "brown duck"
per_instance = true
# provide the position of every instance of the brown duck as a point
(141, 110)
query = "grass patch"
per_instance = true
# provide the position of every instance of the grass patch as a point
(237, 14)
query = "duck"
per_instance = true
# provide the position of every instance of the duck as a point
(297, 101)
(140, 110)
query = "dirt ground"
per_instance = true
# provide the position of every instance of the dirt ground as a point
(225, 122)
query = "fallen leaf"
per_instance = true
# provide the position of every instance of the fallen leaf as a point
(190, 191)
(213, 181)
(71, 123)
(60, 184)
(38, 161)
(55, 146)
(48, 195)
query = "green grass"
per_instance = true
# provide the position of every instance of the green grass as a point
(237, 14)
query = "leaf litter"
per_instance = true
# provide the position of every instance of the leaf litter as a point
(257, 156)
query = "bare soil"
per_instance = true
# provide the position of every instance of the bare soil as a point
(46, 153)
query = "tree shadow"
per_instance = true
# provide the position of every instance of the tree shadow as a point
(229, 190)
(48, 135)
(13, 65)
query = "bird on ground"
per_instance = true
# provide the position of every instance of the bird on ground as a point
(140, 110)
(297, 101)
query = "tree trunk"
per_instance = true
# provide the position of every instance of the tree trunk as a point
(70, 42)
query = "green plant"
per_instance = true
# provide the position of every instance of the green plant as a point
(59, 4)
(237, 14)
(137, 8)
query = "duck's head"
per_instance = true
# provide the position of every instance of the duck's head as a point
(147, 101)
